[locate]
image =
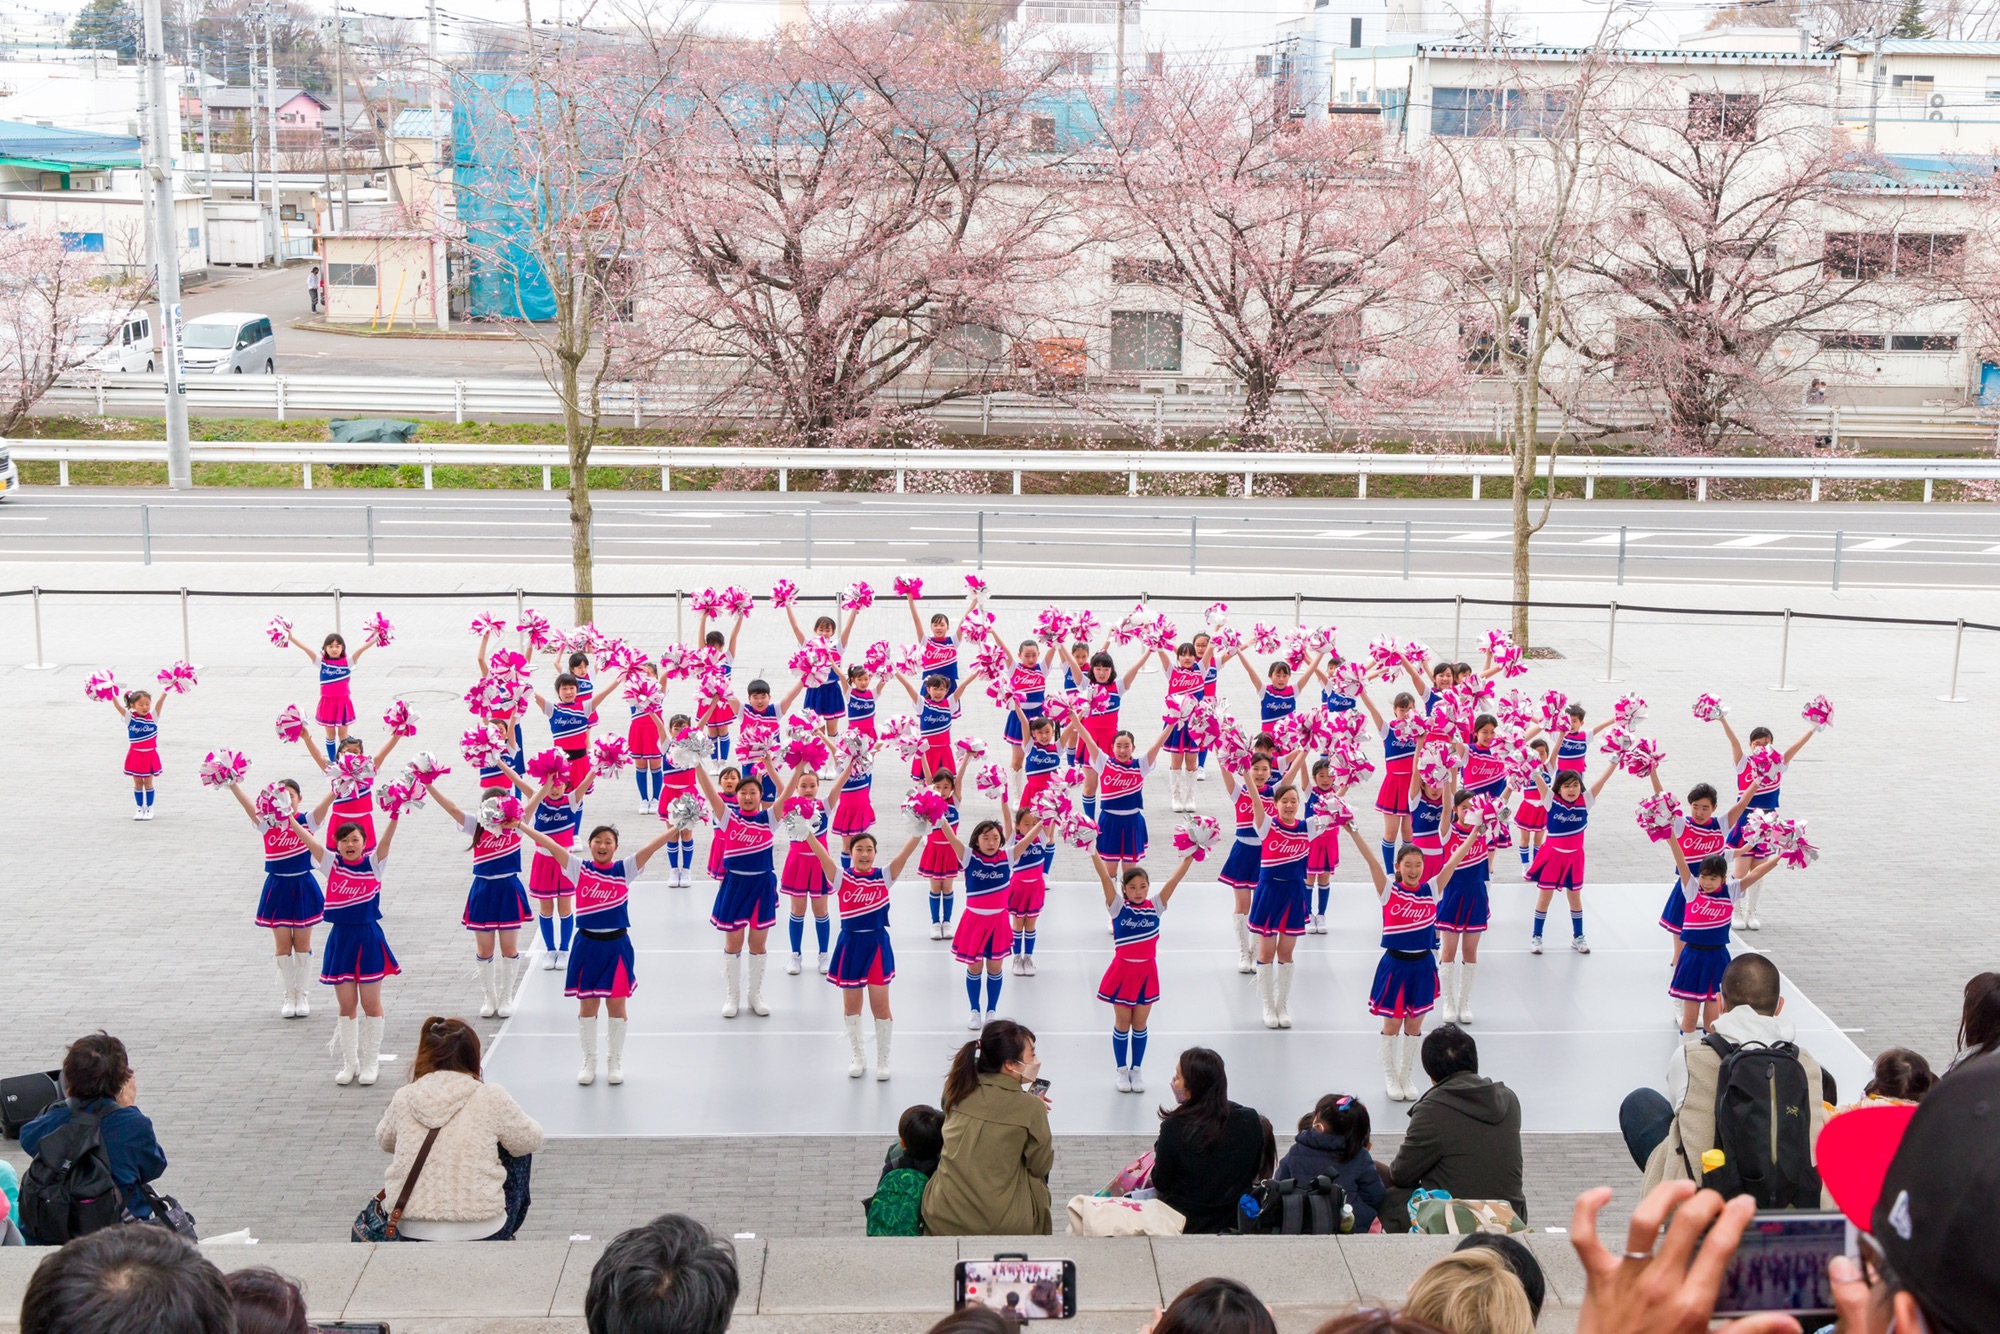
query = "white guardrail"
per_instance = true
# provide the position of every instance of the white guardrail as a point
(1019, 462)
(1209, 408)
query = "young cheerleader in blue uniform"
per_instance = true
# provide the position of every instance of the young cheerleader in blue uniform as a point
(142, 746)
(1131, 983)
(1711, 897)
(1242, 868)
(1121, 795)
(1281, 903)
(496, 904)
(290, 904)
(864, 961)
(746, 903)
(1406, 980)
(1559, 864)
(356, 956)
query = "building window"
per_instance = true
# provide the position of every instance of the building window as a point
(1730, 116)
(84, 243)
(1930, 254)
(1156, 63)
(1354, 32)
(1867, 256)
(1072, 11)
(1993, 88)
(1264, 70)
(194, 238)
(1145, 340)
(969, 347)
(1392, 109)
(1851, 342)
(1042, 134)
(350, 275)
(1157, 272)
(1477, 113)
(1077, 64)
(1923, 342)
(1482, 349)
(1912, 87)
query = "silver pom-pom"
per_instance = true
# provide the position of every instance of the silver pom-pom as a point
(684, 812)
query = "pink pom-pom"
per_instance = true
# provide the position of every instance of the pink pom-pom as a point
(425, 768)
(1050, 805)
(178, 678)
(351, 776)
(974, 585)
(1416, 652)
(1616, 741)
(508, 665)
(991, 781)
(1265, 639)
(1656, 815)
(1065, 707)
(976, 626)
(1410, 730)
(542, 637)
(644, 693)
(712, 692)
(1819, 712)
(738, 601)
(395, 798)
(876, 658)
(1160, 634)
(273, 806)
(907, 586)
(290, 725)
(1629, 710)
(220, 768)
(857, 596)
(1801, 854)
(1643, 758)
(481, 747)
(706, 603)
(1079, 831)
(1052, 625)
(1348, 765)
(1515, 711)
(1070, 776)
(1496, 640)
(783, 594)
(1493, 822)
(1385, 659)
(497, 812)
(1127, 627)
(280, 631)
(1708, 709)
(1001, 691)
(968, 749)
(609, 755)
(807, 750)
(990, 662)
(548, 764)
(1084, 626)
(485, 624)
(401, 719)
(1555, 711)
(102, 686)
(1215, 615)
(926, 807)
(809, 667)
(379, 629)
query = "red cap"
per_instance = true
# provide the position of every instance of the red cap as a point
(1854, 1152)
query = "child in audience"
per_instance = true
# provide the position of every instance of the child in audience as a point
(1333, 1140)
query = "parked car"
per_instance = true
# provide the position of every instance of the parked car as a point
(115, 344)
(230, 342)
(10, 476)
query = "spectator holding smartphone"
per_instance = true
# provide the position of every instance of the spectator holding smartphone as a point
(993, 1177)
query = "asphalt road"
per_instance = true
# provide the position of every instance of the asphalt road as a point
(1726, 544)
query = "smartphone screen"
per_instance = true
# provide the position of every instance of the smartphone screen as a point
(1039, 1087)
(1020, 1289)
(1780, 1265)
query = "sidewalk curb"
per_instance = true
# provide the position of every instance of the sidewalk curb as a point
(309, 325)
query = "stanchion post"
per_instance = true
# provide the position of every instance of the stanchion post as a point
(1298, 609)
(1610, 645)
(336, 614)
(369, 519)
(520, 605)
(1193, 540)
(1784, 654)
(680, 633)
(40, 664)
(1950, 697)
(1457, 621)
(809, 539)
(979, 518)
(187, 643)
(146, 532)
(1621, 555)
(1839, 538)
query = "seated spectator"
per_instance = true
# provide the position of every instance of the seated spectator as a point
(461, 1195)
(977, 1318)
(1209, 1148)
(1668, 1135)
(267, 1302)
(1267, 1157)
(99, 1079)
(127, 1280)
(992, 1178)
(1464, 1136)
(1979, 1021)
(670, 1276)
(1471, 1292)
(1519, 1259)
(1334, 1142)
(1901, 1077)
(919, 1141)
(1215, 1306)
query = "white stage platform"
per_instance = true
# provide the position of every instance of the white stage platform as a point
(1570, 1033)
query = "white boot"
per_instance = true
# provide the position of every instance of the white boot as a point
(371, 1048)
(857, 1046)
(1392, 1067)
(732, 983)
(507, 975)
(614, 1051)
(1406, 1061)
(1246, 954)
(288, 1006)
(1750, 922)
(1283, 987)
(1465, 991)
(883, 1028)
(1267, 992)
(489, 998)
(1447, 1002)
(586, 1036)
(755, 996)
(303, 977)
(345, 1038)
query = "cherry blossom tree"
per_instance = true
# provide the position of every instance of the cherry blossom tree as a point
(57, 309)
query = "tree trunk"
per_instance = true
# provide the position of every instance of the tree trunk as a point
(1259, 389)
(578, 445)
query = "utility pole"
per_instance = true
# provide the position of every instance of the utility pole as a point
(1118, 63)
(207, 134)
(340, 104)
(1874, 89)
(271, 86)
(440, 278)
(166, 247)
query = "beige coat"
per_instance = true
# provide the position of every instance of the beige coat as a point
(1693, 1130)
(993, 1179)
(462, 1180)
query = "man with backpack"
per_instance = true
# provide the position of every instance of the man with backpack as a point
(1744, 1105)
(93, 1153)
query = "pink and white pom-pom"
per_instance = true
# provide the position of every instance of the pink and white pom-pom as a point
(908, 660)
(395, 798)
(542, 637)
(1196, 837)
(1226, 639)
(991, 780)
(1348, 765)
(807, 751)
(1335, 813)
(688, 750)
(1126, 628)
(351, 775)
(1265, 640)
(1656, 815)
(1385, 659)
(280, 631)
(1766, 762)
(707, 602)
(1555, 711)
(1708, 709)
(498, 812)
(1052, 625)
(876, 657)
(1070, 777)
(1410, 730)
(1050, 805)
(103, 686)
(1066, 707)
(273, 806)
(548, 764)
(507, 665)
(1509, 660)
(926, 807)
(1085, 625)
(1348, 678)
(1516, 711)
(1350, 725)
(481, 747)
(220, 768)
(1315, 730)
(1496, 640)
(1298, 647)
(975, 587)
(857, 596)
(487, 624)
(976, 626)
(610, 756)
(712, 691)
(1215, 615)
(1285, 731)
(969, 750)
(1001, 691)
(379, 629)
(177, 678)
(674, 664)
(1819, 712)
(1232, 750)
(1493, 822)
(1643, 758)
(1434, 766)
(783, 594)
(809, 667)
(1629, 710)
(1160, 634)
(1203, 727)
(1615, 742)
(795, 824)
(1801, 854)
(425, 768)
(291, 726)
(401, 719)
(991, 662)
(907, 586)
(1077, 830)
(738, 601)
(644, 693)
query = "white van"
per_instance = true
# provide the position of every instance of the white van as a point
(231, 342)
(117, 345)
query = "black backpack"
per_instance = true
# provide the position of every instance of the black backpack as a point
(68, 1190)
(1292, 1208)
(1763, 1125)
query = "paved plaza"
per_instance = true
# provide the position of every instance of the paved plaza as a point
(145, 929)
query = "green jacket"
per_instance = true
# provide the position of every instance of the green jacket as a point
(993, 1179)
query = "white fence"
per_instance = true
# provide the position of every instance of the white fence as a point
(1209, 408)
(1019, 462)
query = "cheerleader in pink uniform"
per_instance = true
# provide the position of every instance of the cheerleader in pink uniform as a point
(355, 800)
(938, 708)
(1763, 783)
(1711, 897)
(336, 699)
(1399, 762)
(1103, 694)
(863, 958)
(1187, 676)
(1028, 678)
(861, 701)
(939, 648)
(357, 955)
(645, 742)
(496, 904)
(1406, 980)
(802, 880)
(1323, 854)
(730, 780)
(1559, 864)
(559, 815)
(291, 904)
(1028, 886)
(1700, 835)
(1131, 984)
(1042, 759)
(854, 811)
(1279, 905)
(604, 969)
(1243, 866)
(142, 746)
(941, 861)
(982, 940)
(675, 783)
(1531, 815)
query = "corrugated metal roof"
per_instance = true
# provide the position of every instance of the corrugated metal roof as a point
(54, 148)
(1918, 46)
(1680, 55)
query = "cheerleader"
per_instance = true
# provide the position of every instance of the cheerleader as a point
(1028, 679)
(1121, 785)
(1131, 984)
(1211, 683)
(676, 782)
(604, 967)
(507, 721)
(717, 715)
(1399, 762)
(1426, 819)
(1484, 773)
(1531, 817)
(496, 905)
(357, 955)
(291, 904)
(1701, 835)
(1763, 786)
(1241, 869)
(1573, 742)
(746, 904)
(1043, 757)
(1028, 886)
(1323, 853)
(1331, 697)
(939, 647)
(1406, 980)
(1279, 906)
(142, 746)
(854, 813)
(558, 816)
(1559, 863)
(1103, 693)
(863, 958)
(826, 699)
(941, 861)
(336, 700)
(861, 701)
(756, 734)
(982, 941)
(729, 779)
(645, 743)
(802, 879)
(937, 708)
(1186, 676)
(586, 692)
(358, 803)
(1711, 897)
(1276, 697)
(1464, 910)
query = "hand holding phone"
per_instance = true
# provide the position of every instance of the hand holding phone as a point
(1017, 1287)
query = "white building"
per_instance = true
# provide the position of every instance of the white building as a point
(1927, 97)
